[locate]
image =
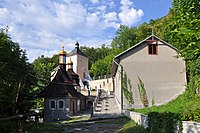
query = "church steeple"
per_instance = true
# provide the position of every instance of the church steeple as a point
(62, 59)
(77, 45)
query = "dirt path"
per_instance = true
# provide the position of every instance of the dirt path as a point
(96, 126)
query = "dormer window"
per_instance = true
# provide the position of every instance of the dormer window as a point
(153, 49)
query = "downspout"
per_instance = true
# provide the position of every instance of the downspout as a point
(121, 72)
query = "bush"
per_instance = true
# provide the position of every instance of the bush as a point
(8, 126)
(162, 122)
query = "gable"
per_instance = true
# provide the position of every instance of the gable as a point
(138, 48)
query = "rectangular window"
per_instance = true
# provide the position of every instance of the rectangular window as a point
(153, 49)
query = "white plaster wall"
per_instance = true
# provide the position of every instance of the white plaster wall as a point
(163, 75)
(82, 63)
(95, 84)
(117, 88)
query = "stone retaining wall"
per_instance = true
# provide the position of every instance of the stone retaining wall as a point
(141, 119)
(191, 127)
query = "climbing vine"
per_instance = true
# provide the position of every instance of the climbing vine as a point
(142, 91)
(126, 88)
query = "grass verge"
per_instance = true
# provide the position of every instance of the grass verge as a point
(130, 126)
(185, 105)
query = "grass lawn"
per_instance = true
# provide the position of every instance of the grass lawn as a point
(41, 128)
(131, 127)
(183, 105)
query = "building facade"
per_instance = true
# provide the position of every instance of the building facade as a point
(155, 63)
(61, 99)
(80, 61)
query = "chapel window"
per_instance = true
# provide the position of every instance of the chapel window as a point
(52, 104)
(60, 104)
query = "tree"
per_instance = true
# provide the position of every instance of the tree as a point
(14, 78)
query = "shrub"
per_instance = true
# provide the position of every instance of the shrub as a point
(162, 122)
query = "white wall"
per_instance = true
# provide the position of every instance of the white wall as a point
(105, 84)
(117, 88)
(163, 75)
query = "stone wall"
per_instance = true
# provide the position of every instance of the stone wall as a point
(141, 119)
(191, 127)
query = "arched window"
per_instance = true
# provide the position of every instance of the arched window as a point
(52, 104)
(60, 104)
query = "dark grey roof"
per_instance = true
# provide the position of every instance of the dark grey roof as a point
(77, 51)
(117, 58)
(74, 77)
(61, 87)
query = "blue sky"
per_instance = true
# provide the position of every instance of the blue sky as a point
(42, 26)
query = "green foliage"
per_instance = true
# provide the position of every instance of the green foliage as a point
(41, 128)
(186, 105)
(8, 126)
(15, 80)
(43, 67)
(142, 91)
(95, 54)
(126, 88)
(102, 66)
(162, 122)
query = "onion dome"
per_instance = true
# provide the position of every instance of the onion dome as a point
(62, 59)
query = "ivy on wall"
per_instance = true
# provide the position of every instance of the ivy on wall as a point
(126, 88)
(142, 91)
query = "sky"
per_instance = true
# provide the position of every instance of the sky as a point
(41, 27)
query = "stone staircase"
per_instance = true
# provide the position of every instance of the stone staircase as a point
(106, 106)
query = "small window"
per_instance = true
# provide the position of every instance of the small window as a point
(52, 104)
(60, 104)
(100, 86)
(103, 83)
(153, 49)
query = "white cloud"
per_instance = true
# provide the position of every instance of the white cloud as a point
(92, 20)
(128, 15)
(40, 26)
(94, 1)
(111, 16)
(35, 53)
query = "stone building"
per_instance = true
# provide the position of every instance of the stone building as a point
(80, 62)
(155, 62)
(61, 99)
